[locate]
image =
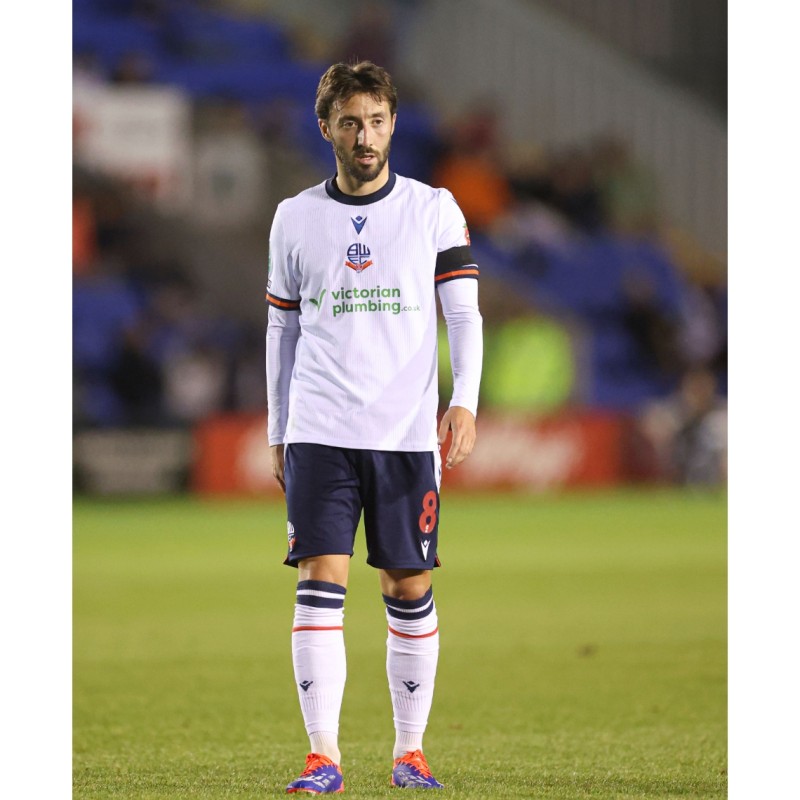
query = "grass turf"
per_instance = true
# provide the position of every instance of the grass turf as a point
(583, 651)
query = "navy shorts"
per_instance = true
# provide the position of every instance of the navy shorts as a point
(327, 488)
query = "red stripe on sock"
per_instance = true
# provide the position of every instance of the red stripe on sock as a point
(317, 628)
(412, 636)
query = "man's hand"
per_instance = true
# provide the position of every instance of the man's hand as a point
(276, 451)
(462, 423)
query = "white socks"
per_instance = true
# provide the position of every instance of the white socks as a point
(320, 668)
(412, 651)
(318, 654)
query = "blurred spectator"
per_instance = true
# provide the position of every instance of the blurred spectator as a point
(719, 299)
(249, 387)
(136, 379)
(470, 168)
(195, 383)
(175, 321)
(573, 190)
(688, 432)
(370, 36)
(105, 310)
(133, 68)
(475, 131)
(196, 352)
(115, 220)
(84, 234)
(529, 224)
(479, 188)
(703, 334)
(532, 219)
(652, 328)
(627, 190)
(528, 171)
(87, 72)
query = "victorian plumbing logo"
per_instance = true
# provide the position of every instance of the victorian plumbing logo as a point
(377, 299)
(354, 301)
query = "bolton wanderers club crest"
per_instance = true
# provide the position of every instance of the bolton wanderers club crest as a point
(358, 257)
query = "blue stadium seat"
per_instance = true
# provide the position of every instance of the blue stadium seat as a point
(244, 81)
(197, 34)
(102, 310)
(110, 39)
(102, 8)
(666, 280)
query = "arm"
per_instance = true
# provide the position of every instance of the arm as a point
(283, 331)
(459, 300)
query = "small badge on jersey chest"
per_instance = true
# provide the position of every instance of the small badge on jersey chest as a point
(358, 257)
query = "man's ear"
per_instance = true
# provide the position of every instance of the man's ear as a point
(324, 129)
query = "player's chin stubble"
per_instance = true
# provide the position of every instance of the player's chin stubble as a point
(355, 170)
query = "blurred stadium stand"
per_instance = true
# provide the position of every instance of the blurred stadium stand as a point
(602, 286)
(682, 40)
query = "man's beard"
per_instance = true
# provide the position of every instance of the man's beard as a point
(363, 174)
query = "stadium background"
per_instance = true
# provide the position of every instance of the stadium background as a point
(586, 143)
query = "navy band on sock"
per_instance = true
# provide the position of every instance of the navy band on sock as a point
(322, 586)
(409, 609)
(318, 594)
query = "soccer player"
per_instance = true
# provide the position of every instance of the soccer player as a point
(352, 391)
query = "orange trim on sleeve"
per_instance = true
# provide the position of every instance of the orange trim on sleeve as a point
(458, 273)
(290, 305)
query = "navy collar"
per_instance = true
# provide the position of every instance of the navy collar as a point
(337, 194)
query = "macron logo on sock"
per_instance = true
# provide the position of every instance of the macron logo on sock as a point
(411, 686)
(305, 684)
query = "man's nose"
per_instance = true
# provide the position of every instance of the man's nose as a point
(363, 137)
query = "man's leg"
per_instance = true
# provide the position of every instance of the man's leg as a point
(323, 508)
(318, 650)
(412, 652)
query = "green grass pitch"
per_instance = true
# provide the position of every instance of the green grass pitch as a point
(583, 651)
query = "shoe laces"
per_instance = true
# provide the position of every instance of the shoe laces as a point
(416, 759)
(314, 761)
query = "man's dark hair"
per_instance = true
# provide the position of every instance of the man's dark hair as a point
(341, 81)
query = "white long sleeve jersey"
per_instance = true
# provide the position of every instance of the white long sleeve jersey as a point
(351, 335)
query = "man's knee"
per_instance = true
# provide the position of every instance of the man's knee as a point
(405, 584)
(328, 568)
